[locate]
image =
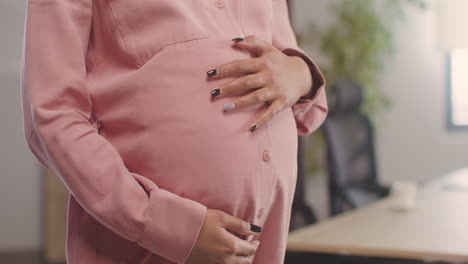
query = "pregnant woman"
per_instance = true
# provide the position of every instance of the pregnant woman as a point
(173, 124)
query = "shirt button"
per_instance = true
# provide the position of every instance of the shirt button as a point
(260, 213)
(98, 125)
(266, 155)
(220, 3)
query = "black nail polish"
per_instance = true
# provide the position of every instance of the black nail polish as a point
(212, 72)
(253, 128)
(238, 39)
(215, 92)
(255, 228)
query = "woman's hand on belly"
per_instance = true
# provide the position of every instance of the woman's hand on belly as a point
(271, 77)
(216, 243)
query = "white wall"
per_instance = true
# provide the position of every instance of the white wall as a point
(413, 141)
(19, 171)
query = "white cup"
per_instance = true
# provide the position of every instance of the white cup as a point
(403, 195)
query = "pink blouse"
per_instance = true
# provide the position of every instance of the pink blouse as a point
(116, 102)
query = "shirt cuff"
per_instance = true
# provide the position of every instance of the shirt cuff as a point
(172, 223)
(311, 109)
(318, 79)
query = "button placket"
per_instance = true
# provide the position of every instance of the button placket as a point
(260, 213)
(266, 155)
(268, 178)
(240, 5)
(219, 3)
(99, 126)
(269, 166)
(264, 176)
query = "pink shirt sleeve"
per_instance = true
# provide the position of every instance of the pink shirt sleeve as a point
(311, 110)
(57, 110)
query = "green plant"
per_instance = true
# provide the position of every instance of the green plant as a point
(357, 43)
(355, 47)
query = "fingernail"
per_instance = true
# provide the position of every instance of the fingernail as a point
(255, 228)
(238, 39)
(229, 106)
(215, 92)
(212, 72)
(253, 128)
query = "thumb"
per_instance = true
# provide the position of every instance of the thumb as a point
(240, 226)
(253, 44)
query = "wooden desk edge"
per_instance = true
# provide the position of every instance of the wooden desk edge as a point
(385, 253)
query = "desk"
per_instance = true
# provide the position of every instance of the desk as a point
(435, 230)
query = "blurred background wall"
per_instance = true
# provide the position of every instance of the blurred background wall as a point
(20, 173)
(412, 141)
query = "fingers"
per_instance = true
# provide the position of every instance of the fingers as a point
(256, 97)
(244, 83)
(268, 114)
(254, 45)
(244, 258)
(225, 246)
(258, 77)
(239, 226)
(243, 252)
(240, 251)
(239, 259)
(249, 252)
(236, 67)
(241, 247)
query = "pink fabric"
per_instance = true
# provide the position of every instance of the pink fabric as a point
(117, 104)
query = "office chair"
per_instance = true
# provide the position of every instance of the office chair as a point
(351, 158)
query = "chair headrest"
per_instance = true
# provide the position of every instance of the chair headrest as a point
(348, 96)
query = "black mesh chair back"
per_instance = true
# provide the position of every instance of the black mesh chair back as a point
(350, 150)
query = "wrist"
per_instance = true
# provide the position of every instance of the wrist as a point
(308, 78)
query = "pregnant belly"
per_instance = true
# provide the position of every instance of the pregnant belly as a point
(170, 130)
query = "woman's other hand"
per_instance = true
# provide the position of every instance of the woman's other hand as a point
(216, 244)
(272, 77)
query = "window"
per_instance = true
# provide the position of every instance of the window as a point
(458, 94)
